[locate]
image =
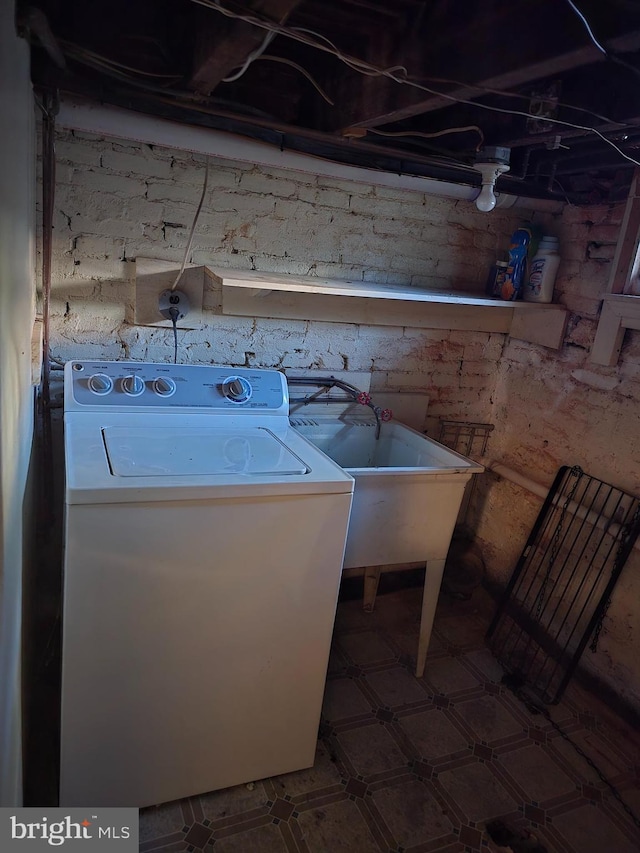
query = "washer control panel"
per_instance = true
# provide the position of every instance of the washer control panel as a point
(108, 384)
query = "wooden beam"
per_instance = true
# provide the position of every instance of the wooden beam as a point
(223, 44)
(624, 270)
(483, 41)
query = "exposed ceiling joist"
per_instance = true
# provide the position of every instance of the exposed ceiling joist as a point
(222, 45)
(544, 60)
(375, 101)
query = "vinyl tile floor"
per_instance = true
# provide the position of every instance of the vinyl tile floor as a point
(408, 765)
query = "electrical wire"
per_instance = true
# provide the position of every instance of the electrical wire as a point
(587, 27)
(94, 60)
(436, 133)
(193, 225)
(563, 192)
(99, 59)
(365, 67)
(487, 89)
(352, 62)
(174, 322)
(190, 96)
(303, 71)
(595, 41)
(104, 68)
(110, 66)
(252, 56)
(519, 96)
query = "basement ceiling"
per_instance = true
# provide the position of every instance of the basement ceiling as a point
(412, 87)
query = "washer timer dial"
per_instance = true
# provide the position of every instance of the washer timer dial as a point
(100, 383)
(237, 389)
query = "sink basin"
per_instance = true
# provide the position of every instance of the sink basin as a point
(408, 488)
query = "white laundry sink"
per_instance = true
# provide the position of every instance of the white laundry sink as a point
(408, 488)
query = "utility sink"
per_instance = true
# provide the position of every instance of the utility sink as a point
(408, 491)
(408, 488)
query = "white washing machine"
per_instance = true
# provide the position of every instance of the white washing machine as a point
(204, 540)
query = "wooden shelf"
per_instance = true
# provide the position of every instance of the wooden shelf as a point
(257, 294)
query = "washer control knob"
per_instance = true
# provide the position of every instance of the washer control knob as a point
(237, 389)
(164, 386)
(133, 385)
(100, 383)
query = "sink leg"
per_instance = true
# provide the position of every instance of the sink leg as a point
(371, 581)
(432, 580)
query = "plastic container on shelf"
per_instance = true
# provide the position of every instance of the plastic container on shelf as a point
(542, 275)
(496, 278)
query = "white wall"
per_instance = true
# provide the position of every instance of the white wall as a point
(17, 219)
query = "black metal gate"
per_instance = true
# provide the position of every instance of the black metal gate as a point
(560, 589)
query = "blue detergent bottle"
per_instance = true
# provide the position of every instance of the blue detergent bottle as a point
(517, 264)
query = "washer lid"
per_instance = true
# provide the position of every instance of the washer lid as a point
(179, 451)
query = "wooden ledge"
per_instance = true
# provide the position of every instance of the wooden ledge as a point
(619, 313)
(257, 294)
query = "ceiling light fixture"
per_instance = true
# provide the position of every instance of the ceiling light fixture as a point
(491, 162)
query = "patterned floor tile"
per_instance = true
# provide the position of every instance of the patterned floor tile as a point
(615, 809)
(536, 773)
(484, 663)
(264, 839)
(337, 661)
(412, 814)
(460, 633)
(339, 828)
(532, 838)
(395, 687)
(596, 748)
(198, 836)
(630, 795)
(371, 749)
(588, 830)
(432, 734)
(365, 792)
(397, 608)
(563, 714)
(477, 792)
(350, 615)
(488, 718)
(164, 846)
(233, 801)
(342, 699)
(159, 821)
(405, 640)
(448, 675)
(366, 647)
(323, 774)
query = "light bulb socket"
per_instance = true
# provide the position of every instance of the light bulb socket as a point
(493, 154)
(491, 162)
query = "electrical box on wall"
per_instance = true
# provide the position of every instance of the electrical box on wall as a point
(155, 277)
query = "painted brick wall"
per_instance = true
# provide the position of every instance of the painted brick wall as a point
(556, 408)
(117, 201)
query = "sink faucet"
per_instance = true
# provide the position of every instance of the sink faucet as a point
(326, 383)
